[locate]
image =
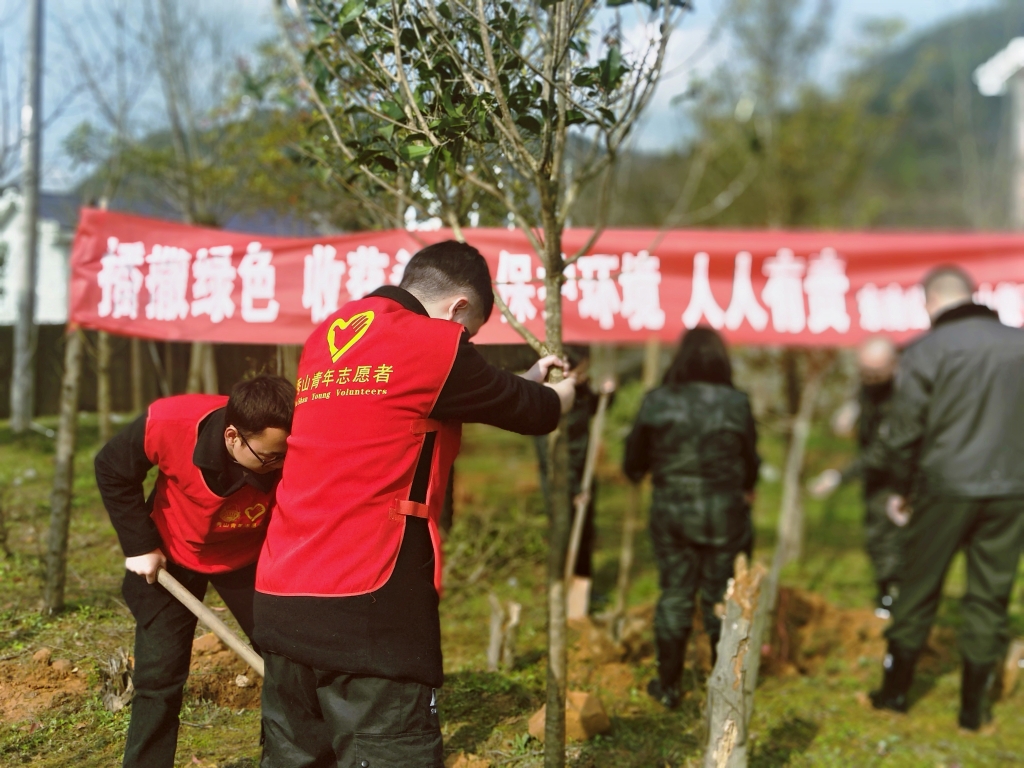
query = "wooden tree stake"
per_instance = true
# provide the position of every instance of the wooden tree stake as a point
(730, 702)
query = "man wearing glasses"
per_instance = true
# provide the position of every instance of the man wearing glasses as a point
(219, 462)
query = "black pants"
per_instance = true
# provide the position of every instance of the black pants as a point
(883, 539)
(991, 533)
(314, 718)
(686, 568)
(164, 631)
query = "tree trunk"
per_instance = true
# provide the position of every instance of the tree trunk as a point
(63, 476)
(161, 379)
(138, 394)
(195, 368)
(729, 700)
(560, 511)
(625, 560)
(652, 364)
(289, 365)
(169, 365)
(496, 634)
(791, 518)
(210, 384)
(103, 385)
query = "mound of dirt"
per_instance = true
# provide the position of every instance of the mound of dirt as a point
(218, 675)
(30, 687)
(807, 631)
(608, 668)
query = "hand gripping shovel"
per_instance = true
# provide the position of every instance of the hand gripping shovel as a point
(210, 619)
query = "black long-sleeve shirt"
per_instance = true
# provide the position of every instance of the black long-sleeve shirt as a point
(395, 631)
(122, 466)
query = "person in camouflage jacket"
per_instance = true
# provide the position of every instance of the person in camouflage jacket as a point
(696, 436)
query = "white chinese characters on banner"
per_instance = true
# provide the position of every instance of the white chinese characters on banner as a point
(167, 283)
(702, 301)
(599, 298)
(893, 308)
(744, 305)
(214, 283)
(641, 291)
(259, 283)
(783, 294)
(321, 282)
(570, 288)
(366, 271)
(826, 286)
(120, 279)
(1005, 299)
(398, 270)
(515, 288)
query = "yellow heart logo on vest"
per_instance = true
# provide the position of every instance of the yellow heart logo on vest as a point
(357, 326)
(255, 512)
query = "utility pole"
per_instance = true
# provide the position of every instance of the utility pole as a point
(1001, 75)
(1016, 87)
(23, 372)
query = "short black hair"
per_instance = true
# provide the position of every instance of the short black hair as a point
(946, 276)
(702, 356)
(445, 268)
(259, 403)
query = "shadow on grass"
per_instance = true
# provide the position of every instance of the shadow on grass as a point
(479, 701)
(663, 738)
(784, 742)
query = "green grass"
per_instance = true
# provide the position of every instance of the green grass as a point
(498, 544)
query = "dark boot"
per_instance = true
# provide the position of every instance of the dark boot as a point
(665, 688)
(974, 687)
(898, 674)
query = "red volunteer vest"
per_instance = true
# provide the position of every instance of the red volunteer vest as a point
(368, 378)
(200, 530)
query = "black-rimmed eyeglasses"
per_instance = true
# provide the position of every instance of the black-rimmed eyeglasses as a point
(263, 462)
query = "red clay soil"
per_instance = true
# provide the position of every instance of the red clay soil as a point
(807, 631)
(28, 687)
(214, 674)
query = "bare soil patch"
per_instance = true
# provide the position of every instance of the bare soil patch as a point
(808, 631)
(28, 687)
(215, 674)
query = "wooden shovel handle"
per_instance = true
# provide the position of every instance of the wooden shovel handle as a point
(211, 620)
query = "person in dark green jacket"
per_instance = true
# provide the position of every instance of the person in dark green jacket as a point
(952, 447)
(696, 435)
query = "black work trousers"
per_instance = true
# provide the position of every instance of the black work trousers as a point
(686, 567)
(991, 534)
(883, 539)
(164, 630)
(316, 718)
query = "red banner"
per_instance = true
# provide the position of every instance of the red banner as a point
(155, 279)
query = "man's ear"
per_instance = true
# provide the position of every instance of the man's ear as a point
(459, 304)
(230, 433)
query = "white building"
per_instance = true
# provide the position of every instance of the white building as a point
(58, 216)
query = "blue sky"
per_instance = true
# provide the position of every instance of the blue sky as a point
(250, 21)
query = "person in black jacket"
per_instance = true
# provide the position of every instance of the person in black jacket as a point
(219, 462)
(876, 362)
(953, 447)
(696, 435)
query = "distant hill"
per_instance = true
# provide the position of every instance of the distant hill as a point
(949, 163)
(946, 165)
